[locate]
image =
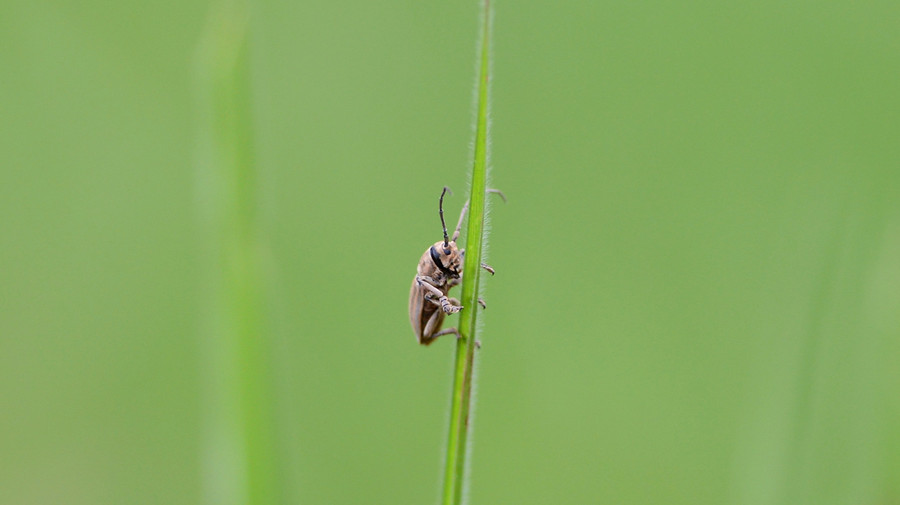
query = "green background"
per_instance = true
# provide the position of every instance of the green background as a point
(696, 297)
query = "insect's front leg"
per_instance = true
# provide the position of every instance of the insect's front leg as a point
(455, 302)
(458, 280)
(442, 298)
(485, 266)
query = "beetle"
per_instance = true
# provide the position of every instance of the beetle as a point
(440, 268)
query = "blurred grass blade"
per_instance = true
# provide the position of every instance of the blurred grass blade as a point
(239, 464)
(455, 469)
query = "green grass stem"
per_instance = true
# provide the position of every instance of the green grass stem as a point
(460, 408)
(239, 457)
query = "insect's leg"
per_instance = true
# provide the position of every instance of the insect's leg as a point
(429, 327)
(485, 266)
(428, 335)
(446, 331)
(453, 301)
(459, 223)
(426, 282)
(455, 332)
(445, 303)
(466, 207)
(456, 302)
(497, 191)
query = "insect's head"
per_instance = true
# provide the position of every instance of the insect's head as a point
(445, 254)
(447, 258)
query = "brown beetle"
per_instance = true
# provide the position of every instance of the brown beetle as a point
(440, 268)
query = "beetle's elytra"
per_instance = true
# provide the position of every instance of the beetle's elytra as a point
(440, 268)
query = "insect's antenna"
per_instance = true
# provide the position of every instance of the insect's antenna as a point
(441, 210)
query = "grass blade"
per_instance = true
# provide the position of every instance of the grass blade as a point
(455, 469)
(239, 457)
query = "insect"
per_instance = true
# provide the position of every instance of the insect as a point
(440, 268)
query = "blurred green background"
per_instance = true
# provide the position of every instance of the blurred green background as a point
(696, 297)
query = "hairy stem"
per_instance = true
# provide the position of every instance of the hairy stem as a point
(455, 469)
